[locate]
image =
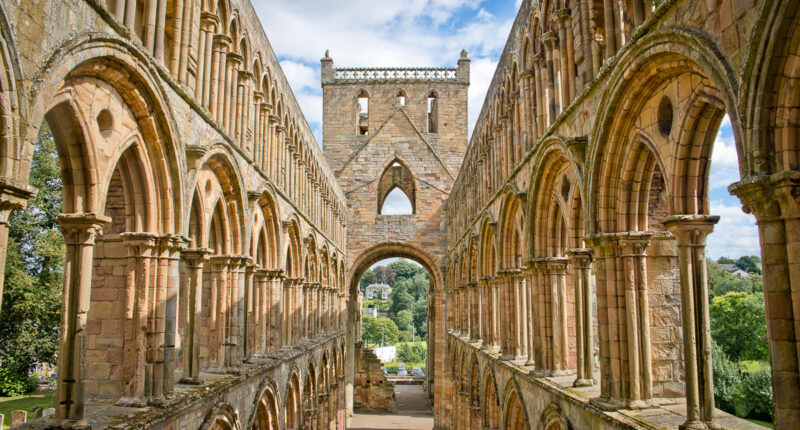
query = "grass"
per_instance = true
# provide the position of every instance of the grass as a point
(766, 424)
(25, 402)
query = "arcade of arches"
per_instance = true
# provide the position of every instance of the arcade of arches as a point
(212, 247)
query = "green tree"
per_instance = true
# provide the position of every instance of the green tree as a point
(721, 282)
(367, 324)
(419, 285)
(384, 275)
(405, 336)
(754, 397)
(739, 326)
(382, 330)
(749, 263)
(400, 299)
(421, 317)
(727, 378)
(415, 352)
(404, 320)
(30, 315)
(404, 269)
(368, 278)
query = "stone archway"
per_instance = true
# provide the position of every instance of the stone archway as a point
(436, 328)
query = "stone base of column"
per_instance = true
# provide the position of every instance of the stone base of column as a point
(584, 383)
(131, 402)
(693, 425)
(607, 404)
(191, 381)
(68, 424)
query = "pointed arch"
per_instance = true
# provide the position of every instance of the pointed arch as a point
(397, 175)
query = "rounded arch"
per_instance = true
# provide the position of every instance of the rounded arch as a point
(293, 251)
(380, 251)
(512, 228)
(488, 248)
(659, 57)
(555, 217)
(118, 65)
(220, 181)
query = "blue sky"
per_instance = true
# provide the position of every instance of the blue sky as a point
(383, 33)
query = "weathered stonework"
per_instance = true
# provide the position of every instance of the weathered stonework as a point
(372, 392)
(212, 249)
(408, 145)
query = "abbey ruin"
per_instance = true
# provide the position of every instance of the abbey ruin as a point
(214, 247)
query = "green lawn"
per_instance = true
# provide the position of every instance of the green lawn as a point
(761, 423)
(27, 402)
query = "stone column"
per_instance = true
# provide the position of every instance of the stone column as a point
(773, 200)
(567, 48)
(495, 314)
(581, 261)
(232, 94)
(507, 316)
(250, 315)
(218, 72)
(520, 319)
(610, 28)
(691, 232)
(637, 307)
(556, 268)
(275, 321)
(549, 80)
(140, 299)
(195, 259)
(623, 316)
(532, 317)
(475, 312)
(80, 232)
(484, 309)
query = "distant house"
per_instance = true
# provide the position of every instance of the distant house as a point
(735, 271)
(371, 312)
(378, 292)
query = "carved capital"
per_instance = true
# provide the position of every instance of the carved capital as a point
(82, 228)
(690, 230)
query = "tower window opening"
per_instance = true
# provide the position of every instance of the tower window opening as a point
(363, 113)
(433, 113)
(401, 98)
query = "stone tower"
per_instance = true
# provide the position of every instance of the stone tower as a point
(400, 128)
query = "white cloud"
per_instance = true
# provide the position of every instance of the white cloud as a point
(481, 72)
(736, 233)
(383, 33)
(396, 203)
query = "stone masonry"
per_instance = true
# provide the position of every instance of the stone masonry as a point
(213, 250)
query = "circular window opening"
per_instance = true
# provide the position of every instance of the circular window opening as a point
(665, 116)
(105, 122)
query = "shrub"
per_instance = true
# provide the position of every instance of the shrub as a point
(727, 378)
(754, 398)
(14, 380)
